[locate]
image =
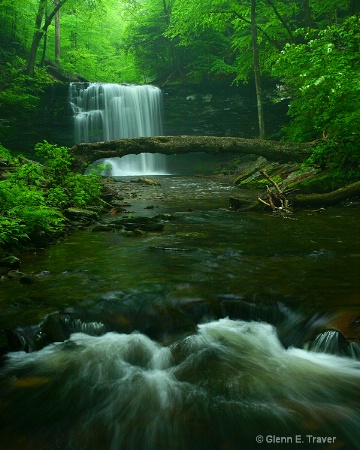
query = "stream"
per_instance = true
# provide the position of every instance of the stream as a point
(224, 331)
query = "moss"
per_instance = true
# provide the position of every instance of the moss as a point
(320, 183)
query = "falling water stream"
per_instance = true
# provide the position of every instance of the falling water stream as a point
(105, 111)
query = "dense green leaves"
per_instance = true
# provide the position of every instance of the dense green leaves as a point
(321, 76)
(34, 195)
(137, 41)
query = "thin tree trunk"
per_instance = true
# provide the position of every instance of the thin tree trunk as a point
(259, 100)
(36, 38)
(39, 32)
(43, 56)
(57, 33)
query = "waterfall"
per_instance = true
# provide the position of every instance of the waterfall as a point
(104, 111)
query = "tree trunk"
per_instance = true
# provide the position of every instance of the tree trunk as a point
(57, 33)
(328, 199)
(36, 38)
(260, 106)
(307, 14)
(39, 32)
(354, 7)
(87, 153)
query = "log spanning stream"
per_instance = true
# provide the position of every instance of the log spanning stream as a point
(219, 332)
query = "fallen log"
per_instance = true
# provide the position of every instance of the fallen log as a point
(86, 153)
(330, 198)
(302, 200)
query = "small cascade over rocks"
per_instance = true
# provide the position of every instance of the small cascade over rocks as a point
(334, 342)
(154, 373)
(226, 382)
(105, 111)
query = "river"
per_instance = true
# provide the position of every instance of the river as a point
(196, 337)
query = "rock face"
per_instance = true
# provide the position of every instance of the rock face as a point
(219, 109)
(207, 109)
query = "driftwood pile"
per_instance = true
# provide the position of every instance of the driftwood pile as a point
(276, 198)
(284, 200)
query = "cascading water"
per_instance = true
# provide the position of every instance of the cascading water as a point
(105, 111)
(226, 386)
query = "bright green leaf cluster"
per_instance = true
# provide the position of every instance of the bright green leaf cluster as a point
(33, 196)
(321, 78)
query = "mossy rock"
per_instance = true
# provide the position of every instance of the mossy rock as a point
(257, 181)
(80, 215)
(320, 183)
(103, 227)
(250, 170)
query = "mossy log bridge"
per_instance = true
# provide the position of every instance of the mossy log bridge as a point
(87, 153)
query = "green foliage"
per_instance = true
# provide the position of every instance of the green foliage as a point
(32, 198)
(321, 76)
(147, 39)
(57, 159)
(12, 231)
(64, 187)
(342, 160)
(4, 153)
(23, 213)
(19, 91)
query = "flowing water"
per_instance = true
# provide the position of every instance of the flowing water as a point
(224, 331)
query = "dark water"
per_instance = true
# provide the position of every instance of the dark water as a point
(168, 345)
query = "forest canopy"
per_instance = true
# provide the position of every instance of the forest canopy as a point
(144, 40)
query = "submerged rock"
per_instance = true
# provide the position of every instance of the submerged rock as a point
(147, 181)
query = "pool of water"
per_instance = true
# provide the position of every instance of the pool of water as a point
(205, 250)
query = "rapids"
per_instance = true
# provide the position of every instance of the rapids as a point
(221, 387)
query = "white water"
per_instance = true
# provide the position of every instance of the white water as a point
(105, 111)
(218, 388)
